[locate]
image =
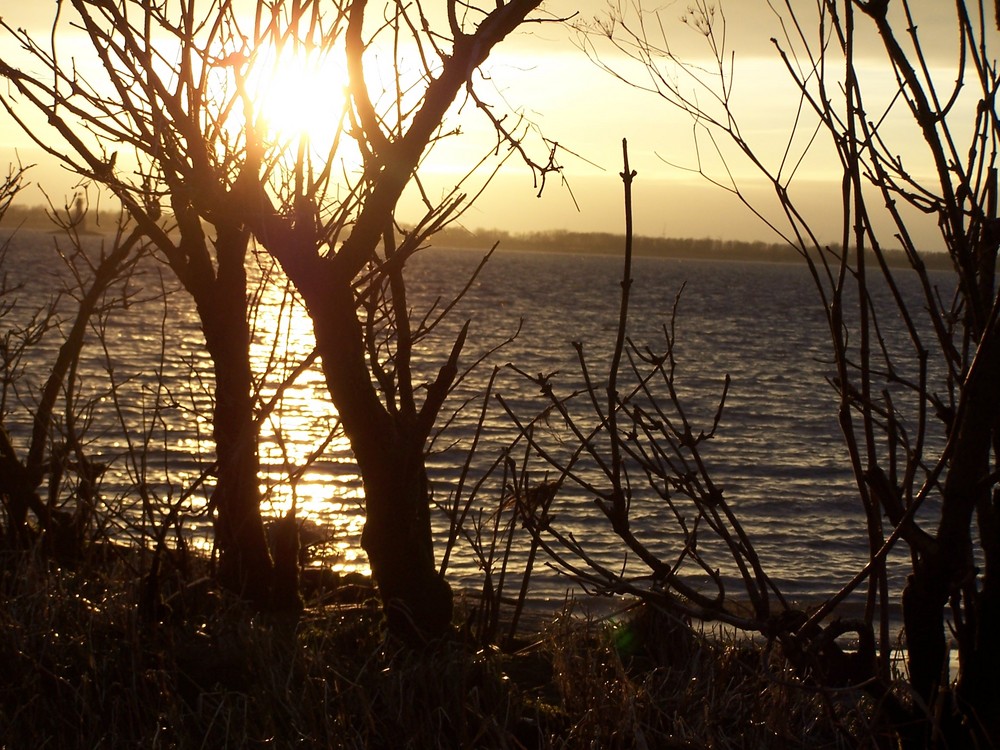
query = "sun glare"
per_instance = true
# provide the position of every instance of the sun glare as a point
(299, 95)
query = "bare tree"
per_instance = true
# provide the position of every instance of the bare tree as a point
(622, 435)
(346, 289)
(53, 422)
(178, 94)
(920, 416)
(160, 107)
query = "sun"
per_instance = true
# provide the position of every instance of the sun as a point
(298, 93)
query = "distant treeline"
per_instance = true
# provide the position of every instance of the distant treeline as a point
(605, 243)
(41, 217)
(561, 241)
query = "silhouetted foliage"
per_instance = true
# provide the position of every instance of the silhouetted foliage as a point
(921, 418)
(207, 159)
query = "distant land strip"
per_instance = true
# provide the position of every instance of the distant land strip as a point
(605, 243)
(552, 241)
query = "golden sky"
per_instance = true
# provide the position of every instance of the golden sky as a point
(543, 74)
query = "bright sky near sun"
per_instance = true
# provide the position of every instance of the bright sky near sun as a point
(543, 73)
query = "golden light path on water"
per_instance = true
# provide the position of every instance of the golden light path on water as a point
(306, 461)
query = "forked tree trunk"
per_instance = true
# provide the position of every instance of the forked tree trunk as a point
(387, 441)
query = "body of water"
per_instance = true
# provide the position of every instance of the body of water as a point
(778, 456)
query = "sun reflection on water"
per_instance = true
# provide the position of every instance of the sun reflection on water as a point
(306, 460)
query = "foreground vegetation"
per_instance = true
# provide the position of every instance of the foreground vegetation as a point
(87, 666)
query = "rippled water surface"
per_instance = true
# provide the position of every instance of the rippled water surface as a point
(779, 456)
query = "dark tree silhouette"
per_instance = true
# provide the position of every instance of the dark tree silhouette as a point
(55, 446)
(920, 416)
(387, 430)
(203, 149)
(131, 106)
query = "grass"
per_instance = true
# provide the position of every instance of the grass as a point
(83, 668)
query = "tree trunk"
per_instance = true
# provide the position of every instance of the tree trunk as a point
(244, 560)
(397, 537)
(387, 442)
(949, 573)
(416, 600)
(979, 651)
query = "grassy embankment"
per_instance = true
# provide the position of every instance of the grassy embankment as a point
(86, 666)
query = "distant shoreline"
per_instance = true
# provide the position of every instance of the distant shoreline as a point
(36, 218)
(603, 243)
